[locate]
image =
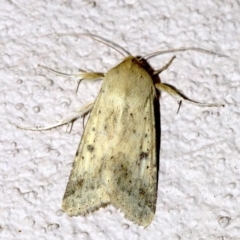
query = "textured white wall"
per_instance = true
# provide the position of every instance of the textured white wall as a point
(199, 181)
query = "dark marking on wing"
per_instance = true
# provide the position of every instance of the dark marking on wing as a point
(143, 155)
(90, 148)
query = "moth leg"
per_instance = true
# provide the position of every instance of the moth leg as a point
(89, 76)
(179, 97)
(156, 72)
(79, 113)
(82, 75)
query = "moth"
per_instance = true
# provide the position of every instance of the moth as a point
(117, 159)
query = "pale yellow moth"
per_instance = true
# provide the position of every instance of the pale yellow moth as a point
(116, 161)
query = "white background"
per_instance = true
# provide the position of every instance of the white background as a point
(199, 178)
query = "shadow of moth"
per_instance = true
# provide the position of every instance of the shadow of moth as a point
(117, 159)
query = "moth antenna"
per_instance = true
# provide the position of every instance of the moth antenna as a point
(182, 50)
(99, 39)
(59, 73)
(104, 41)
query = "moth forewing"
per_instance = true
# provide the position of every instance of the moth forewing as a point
(116, 159)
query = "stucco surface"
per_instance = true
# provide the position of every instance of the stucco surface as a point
(199, 175)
